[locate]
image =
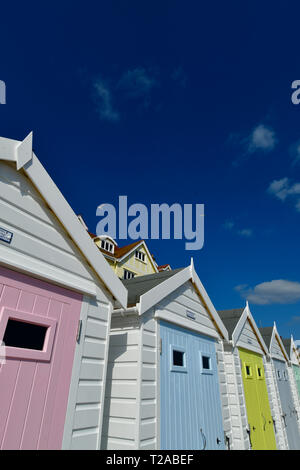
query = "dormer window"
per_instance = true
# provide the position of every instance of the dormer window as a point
(128, 274)
(107, 246)
(140, 256)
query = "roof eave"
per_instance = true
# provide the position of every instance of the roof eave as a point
(21, 153)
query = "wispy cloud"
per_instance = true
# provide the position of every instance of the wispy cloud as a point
(103, 99)
(179, 76)
(261, 139)
(231, 226)
(283, 189)
(278, 291)
(111, 96)
(295, 153)
(246, 232)
(295, 320)
(137, 83)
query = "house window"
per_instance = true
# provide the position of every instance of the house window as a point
(107, 246)
(248, 371)
(128, 274)
(19, 334)
(259, 372)
(178, 358)
(205, 362)
(140, 256)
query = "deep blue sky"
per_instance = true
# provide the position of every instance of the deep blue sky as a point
(171, 101)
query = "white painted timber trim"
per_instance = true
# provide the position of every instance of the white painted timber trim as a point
(240, 325)
(275, 336)
(155, 295)
(208, 302)
(162, 290)
(12, 150)
(43, 271)
(185, 323)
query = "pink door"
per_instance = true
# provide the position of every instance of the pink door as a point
(38, 324)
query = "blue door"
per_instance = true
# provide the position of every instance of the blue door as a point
(290, 416)
(190, 404)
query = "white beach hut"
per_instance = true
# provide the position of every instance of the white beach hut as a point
(56, 296)
(165, 380)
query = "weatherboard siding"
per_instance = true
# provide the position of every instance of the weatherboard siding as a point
(148, 384)
(276, 351)
(236, 401)
(224, 388)
(122, 384)
(248, 339)
(38, 237)
(294, 391)
(85, 408)
(275, 405)
(182, 300)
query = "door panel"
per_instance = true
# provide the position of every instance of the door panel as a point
(257, 402)
(191, 414)
(287, 404)
(296, 370)
(34, 383)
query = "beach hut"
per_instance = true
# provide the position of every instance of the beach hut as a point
(293, 353)
(287, 393)
(255, 420)
(56, 297)
(165, 372)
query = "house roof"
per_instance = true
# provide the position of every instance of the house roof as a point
(121, 252)
(163, 267)
(124, 250)
(235, 319)
(287, 342)
(230, 318)
(267, 333)
(139, 285)
(22, 155)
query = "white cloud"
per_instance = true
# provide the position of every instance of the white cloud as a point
(295, 152)
(278, 291)
(137, 84)
(284, 189)
(230, 225)
(261, 138)
(279, 188)
(246, 232)
(103, 98)
(133, 85)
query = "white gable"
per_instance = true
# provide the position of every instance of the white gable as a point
(185, 308)
(248, 339)
(28, 183)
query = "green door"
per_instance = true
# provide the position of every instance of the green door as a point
(296, 370)
(260, 420)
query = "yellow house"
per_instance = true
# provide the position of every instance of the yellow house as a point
(130, 260)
